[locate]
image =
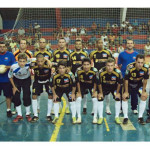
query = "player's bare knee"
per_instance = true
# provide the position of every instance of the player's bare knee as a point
(34, 97)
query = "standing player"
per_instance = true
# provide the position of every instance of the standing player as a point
(86, 80)
(7, 59)
(63, 83)
(99, 58)
(110, 80)
(136, 77)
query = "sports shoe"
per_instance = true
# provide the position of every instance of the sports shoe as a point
(35, 119)
(100, 121)
(125, 121)
(73, 120)
(141, 121)
(49, 118)
(117, 120)
(94, 120)
(67, 110)
(9, 114)
(79, 121)
(148, 120)
(18, 118)
(14, 112)
(55, 120)
(108, 112)
(84, 110)
(28, 117)
(135, 111)
(92, 113)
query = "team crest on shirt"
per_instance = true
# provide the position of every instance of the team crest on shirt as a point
(66, 80)
(91, 76)
(134, 57)
(46, 56)
(46, 70)
(141, 73)
(57, 55)
(113, 78)
(104, 55)
(65, 56)
(6, 58)
(82, 56)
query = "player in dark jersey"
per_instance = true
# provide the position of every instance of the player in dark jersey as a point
(110, 80)
(86, 80)
(63, 83)
(42, 74)
(136, 77)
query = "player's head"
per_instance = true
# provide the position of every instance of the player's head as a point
(86, 63)
(78, 45)
(99, 44)
(110, 64)
(42, 43)
(22, 59)
(140, 59)
(62, 43)
(40, 60)
(23, 44)
(130, 44)
(62, 67)
(3, 47)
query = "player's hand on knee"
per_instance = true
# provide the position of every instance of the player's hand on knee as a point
(94, 94)
(55, 97)
(78, 94)
(117, 95)
(15, 90)
(125, 95)
(73, 97)
(100, 96)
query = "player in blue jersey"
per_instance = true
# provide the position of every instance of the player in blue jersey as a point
(7, 59)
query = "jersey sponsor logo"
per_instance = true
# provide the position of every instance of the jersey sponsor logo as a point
(46, 71)
(134, 57)
(6, 58)
(66, 80)
(91, 76)
(46, 56)
(104, 55)
(82, 56)
(141, 73)
(113, 78)
(65, 56)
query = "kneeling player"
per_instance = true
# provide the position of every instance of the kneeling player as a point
(136, 78)
(63, 83)
(110, 80)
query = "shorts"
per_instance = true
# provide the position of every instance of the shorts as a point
(7, 89)
(37, 88)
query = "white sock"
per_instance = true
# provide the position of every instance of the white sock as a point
(100, 105)
(60, 106)
(125, 108)
(142, 107)
(28, 110)
(38, 102)
(117, 108)
(18, 108)
(107, 99)
(94, 100)
(49, 106)
(34, 107)
(73, 108)
(78, 106)
(67, 103)
(56, 109)
(85, 101)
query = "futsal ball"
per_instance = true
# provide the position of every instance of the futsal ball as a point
(2, 69)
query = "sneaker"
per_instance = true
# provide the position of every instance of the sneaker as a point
(73, 120)
(125, 121)
(67, 110)
(79, 121)
(108, 112)
(28, 117)
(141, 121)
(55, 120)
(135, 111)
(84, 110)
(100, 121)
(148, 120)
(14, 112)
(49, 118)
(117, 120)
(9, 114)
(18, 118)
(92, 113)
(94, 120)
(35, 119)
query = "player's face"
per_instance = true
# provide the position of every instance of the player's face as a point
(23, 44)
(100, 44)
(62, 43)
(86, 66)
(40, 62)
(62, 70)
(110, 67)
(3, 48)
(78, 46)
(42, 44)
(130, 44)
(22, 62)
(139, 63)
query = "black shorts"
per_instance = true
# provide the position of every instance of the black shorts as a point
(37, 88)
(7, 89)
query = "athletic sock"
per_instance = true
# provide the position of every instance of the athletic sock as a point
(85, 101)
(28, 110)
(142, 107)
(125, 108)
(100, 105)
(38, 102)
(49, 106)
(73, 108)
(117, 108)
(34, 107)
(56, 109)
(78, 106)
(18, 108)
(94, 100)
(107, 99)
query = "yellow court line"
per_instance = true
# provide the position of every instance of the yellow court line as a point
(59, 122)
(106, 124)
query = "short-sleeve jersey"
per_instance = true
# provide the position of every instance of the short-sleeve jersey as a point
(47, 54)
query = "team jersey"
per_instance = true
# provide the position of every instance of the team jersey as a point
(6, 59)
(110, 80)
(134, 76)
(27, 52)
(41, 75)
(76, 59)
(47, 54)
(100, 57)
(126, 58)
(63, 82)
(86, 79)
(18, 72)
